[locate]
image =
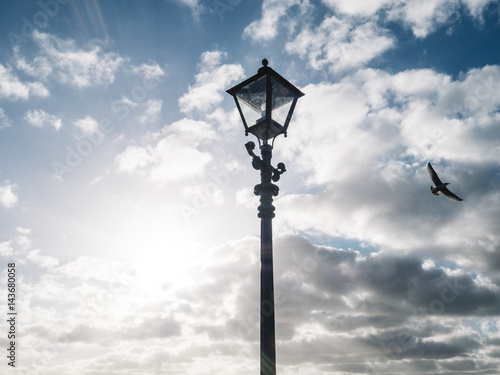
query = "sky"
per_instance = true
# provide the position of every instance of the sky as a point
(126, 193)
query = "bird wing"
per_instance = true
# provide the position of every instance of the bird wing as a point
(433, 175)
(450, 195)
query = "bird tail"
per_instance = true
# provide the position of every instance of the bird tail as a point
(434, 190)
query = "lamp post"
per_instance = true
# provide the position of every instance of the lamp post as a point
(266, 102)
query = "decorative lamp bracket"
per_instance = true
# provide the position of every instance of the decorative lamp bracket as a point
(258, 163)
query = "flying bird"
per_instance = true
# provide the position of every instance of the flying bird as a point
(440, 186)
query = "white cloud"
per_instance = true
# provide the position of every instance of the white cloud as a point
(43, 261)
(23, 242)
(152, 111)
(211, 82)
(174, 154)
(70, 65)
(4, 119)
(6, 249)
(423, 17)
(355, 34)
(8, 198)
(340, 45)
(87, 125)
(364, 143)
(266, 28)
(40, 67)
(454, 126)
(196, 6)
(134, 158)
(124, 101)
(190, 3)
(426, 16)
(150, 72)
(38, 89)
(10, 86)
(88, 268)
(477, 7)
(39, 118)
(359, 7)
(13, 89)
(23, 230)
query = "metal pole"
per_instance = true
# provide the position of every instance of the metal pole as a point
(266, 190)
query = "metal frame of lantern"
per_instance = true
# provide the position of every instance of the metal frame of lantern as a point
(266, 89)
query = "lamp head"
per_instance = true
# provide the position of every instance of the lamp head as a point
(266, 102)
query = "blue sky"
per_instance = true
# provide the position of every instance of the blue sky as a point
(126, 193)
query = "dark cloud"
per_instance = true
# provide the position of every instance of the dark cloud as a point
(347, 312)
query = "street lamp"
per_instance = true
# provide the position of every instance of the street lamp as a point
(266, 102)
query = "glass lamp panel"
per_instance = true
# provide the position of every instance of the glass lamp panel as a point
(253, 96)
(280, 114)
(250, 114)
(252, 101)
(282, 101)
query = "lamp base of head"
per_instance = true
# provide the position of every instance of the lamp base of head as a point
(266, 131)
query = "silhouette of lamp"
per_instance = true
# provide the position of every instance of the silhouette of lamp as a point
(253, 97)
(266, 102)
